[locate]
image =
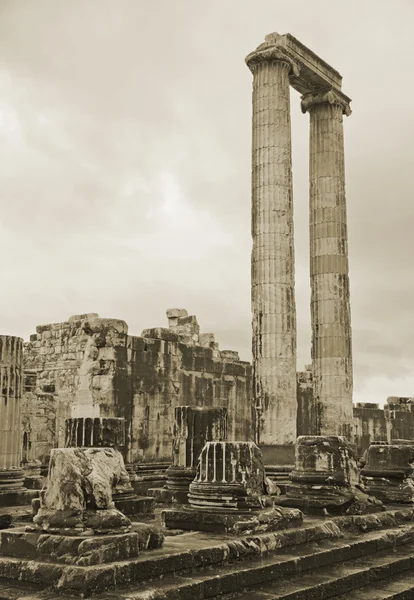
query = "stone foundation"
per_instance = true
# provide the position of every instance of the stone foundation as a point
(325, 479)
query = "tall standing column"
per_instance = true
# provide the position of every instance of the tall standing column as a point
(273, 269)
(330, 298)
(11, 380)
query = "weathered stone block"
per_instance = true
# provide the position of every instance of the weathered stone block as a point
(325, 478)
(388, 472)
(78, 492)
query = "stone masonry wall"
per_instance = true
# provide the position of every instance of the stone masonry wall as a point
(88, 366)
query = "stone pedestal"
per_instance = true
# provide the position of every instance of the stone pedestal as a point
(330, 295)
(388, 472)
(272, 259)
(193, 427)
(77, 497)
(228, 494)
(109, 433)
(325, 479)
(77, 526)
(12, 490)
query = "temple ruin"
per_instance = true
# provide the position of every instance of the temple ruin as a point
(161, 466)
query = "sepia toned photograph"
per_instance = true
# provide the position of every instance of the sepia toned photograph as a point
(206, 361)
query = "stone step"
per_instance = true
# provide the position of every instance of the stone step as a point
(336, 566)
(400, 587)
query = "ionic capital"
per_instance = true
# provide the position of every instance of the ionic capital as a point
(271, 54)
(333, 97)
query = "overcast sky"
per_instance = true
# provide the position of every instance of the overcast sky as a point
(125, 137)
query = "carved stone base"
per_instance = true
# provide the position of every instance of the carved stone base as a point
(329, 500)
(179, 480)
(82, 522)
(390, 490)
(239, 522)
(11, 479)
(325, 479)
(388, 472)
(82, 565)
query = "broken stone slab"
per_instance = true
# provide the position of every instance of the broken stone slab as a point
(326, 480)
(238, 523)
(388, 472)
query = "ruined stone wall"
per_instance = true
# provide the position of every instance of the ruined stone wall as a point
(88, 366)
(370, 422)
(166, 373)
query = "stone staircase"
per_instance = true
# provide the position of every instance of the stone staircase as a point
(345, 558)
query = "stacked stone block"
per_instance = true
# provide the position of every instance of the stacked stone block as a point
(90, 364)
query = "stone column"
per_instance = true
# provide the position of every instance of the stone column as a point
(330, 299)
(193, 427)
(272, 260)
(11, 382)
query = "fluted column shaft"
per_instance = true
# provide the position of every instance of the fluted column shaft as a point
(11, 380)
(330, 296)
(272, 259)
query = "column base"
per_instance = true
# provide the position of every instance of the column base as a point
(64, 562)
(19, 497)
(237, 522)
(11, 479)
(178, 482)
(390, 490)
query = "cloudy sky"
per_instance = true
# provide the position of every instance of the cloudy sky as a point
(125, 138)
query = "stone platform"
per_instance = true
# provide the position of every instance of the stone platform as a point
(270, 519)
(81, 564)
(341, 553)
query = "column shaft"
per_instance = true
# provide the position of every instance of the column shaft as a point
(330, 297)
(11, 380)
(272, 259)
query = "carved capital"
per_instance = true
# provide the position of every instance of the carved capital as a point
(333, 97)
(271, 54)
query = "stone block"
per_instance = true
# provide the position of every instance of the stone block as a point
(238, 523)
(325, 479)
(229, 355)
(160, 333)
(388, 472)
(78, 492)
(207, 340)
